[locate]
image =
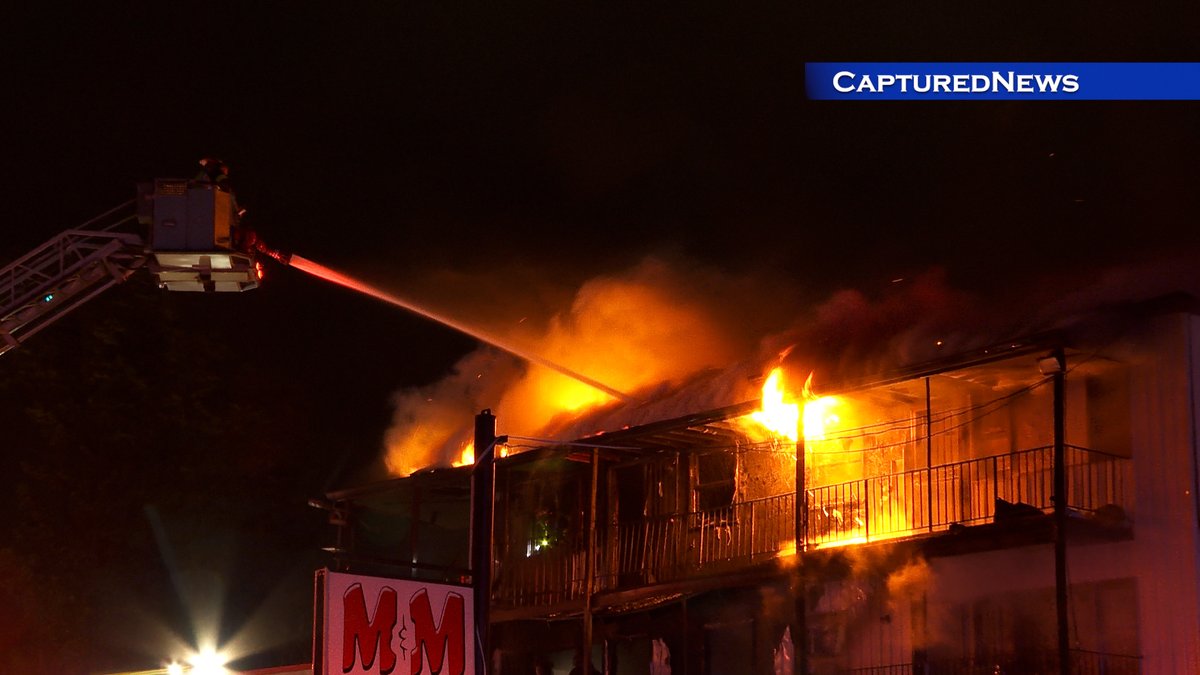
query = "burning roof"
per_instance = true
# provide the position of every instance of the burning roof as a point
(648, 334)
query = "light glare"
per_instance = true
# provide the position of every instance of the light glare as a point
(208, 662)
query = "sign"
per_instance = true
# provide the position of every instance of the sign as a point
(378, 626)
(978, 81)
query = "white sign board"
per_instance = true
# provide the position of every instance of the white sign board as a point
(378, 626)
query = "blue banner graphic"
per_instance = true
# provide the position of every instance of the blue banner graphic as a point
(1002, 81)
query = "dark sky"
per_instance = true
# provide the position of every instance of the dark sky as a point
(546, 140)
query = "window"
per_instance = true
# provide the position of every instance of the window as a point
(715, 480)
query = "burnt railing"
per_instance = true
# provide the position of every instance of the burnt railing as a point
(911, 503)
(961, 493)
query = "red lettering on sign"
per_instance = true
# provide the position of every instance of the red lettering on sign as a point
(447, 637)
(368, 634)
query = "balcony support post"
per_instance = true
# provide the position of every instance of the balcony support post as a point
(590, 563)
(1060, 515)
(929, 453)
(800, 643)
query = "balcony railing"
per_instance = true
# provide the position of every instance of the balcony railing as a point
(546, 578)
(961, 493)
(673, 547)
(897, 669)
(911, 503)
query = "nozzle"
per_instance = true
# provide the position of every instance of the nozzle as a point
(282, 256)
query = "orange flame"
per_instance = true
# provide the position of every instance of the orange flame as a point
(819, 415)
(782, 417)
(467, 456)
(777, 414)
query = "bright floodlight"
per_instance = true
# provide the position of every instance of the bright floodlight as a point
(174, 669)
(208, 662)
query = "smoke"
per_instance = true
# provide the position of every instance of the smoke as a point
(914, 319)
(432, 424)
(631, 331)
(1109, 287)
(910, 581)
(645, 331)
(864, 593)
(680, 338)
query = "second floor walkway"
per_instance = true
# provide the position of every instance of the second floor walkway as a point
(1015, 487)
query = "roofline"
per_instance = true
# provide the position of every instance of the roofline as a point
(382, 486)
(1043, 341)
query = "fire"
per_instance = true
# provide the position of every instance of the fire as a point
(835, 453)
(819, 417)
(849, 540)
(786, 549)
(633, 332)
(783, 417)
(467, 456)
(624, 332)
(777, 414)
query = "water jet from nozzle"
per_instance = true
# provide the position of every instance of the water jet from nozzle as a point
(336, 277)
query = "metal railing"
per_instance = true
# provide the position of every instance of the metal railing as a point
(963, 493)
(545, 578)
(677, 546)
(896, 669)
(713, 541)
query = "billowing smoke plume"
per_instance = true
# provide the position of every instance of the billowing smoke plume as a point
(854, 334)
(432, 424)
(653, 326)
(678, 339)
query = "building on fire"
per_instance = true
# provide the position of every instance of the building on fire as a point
(1031, 507)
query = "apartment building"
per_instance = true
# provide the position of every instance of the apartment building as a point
(1029, 507)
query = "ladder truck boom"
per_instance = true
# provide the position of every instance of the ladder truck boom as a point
(185, 232)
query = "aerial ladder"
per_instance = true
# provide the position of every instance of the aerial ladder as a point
(185, 232)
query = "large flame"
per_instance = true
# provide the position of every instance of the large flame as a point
(782, 416)
(777, 414)
(819, 416)
(834, 451)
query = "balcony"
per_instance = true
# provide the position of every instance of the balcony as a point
(916, 503)
(971, 492)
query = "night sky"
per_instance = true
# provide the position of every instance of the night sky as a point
(486, 157)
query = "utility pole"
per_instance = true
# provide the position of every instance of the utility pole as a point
(483, 496)
(800, 641)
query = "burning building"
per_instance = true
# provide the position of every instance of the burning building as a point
(1025, 507)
